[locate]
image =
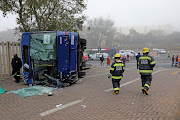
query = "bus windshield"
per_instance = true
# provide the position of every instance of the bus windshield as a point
(43, 46)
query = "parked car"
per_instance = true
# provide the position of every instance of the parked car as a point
(162, 51)
(131, 53)
(96, 56)
(155, 49)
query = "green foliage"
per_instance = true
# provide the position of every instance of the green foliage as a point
(46, 15)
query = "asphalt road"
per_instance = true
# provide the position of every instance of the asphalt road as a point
(161, 61)
(92, 98)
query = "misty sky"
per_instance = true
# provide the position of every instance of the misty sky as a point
(125, 12)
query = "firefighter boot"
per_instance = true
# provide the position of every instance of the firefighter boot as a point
(143, 92)
(116, 92)
(146, 92)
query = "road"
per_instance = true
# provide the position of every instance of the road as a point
(91, 98)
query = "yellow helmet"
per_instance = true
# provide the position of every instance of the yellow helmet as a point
(117, 55)
(145, 50)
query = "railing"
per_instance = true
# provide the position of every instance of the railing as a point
(7, 49)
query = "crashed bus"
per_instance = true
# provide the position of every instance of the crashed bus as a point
(52, 57)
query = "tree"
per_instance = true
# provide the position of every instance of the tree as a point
(46, 15)
(102, 31)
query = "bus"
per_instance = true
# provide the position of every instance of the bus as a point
(52, 57)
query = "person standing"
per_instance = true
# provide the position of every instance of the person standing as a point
(176, 61)
(146, 65)
(16, 64)
(157, 52)
(102, 60)
(127, 57)
(179, 62)
(169, 55)
(124, 60)
(172, 60)
(116, 71)
(137, 58)
(108, 61)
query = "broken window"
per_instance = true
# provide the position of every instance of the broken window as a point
(43, 46)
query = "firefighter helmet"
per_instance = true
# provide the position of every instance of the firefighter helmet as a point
(145, 50)
(117, 55)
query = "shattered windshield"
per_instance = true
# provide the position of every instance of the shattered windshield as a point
(43, 46)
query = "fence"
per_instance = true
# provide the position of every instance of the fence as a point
(7, 49)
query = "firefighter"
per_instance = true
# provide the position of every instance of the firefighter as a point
(146, 64)
(16, 65)
(116, 71)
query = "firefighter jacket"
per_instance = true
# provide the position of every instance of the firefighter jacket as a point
(116, 70)
(16, 64)
(146, 64)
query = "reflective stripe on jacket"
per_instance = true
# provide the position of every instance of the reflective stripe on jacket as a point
(146, 64)
(116, 70)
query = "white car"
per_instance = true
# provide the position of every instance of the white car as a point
(96, 56)
(162, 51)
(155, 49)
(131, 53)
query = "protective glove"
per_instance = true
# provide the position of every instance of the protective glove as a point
(109, 76)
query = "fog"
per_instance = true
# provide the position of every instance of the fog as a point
(125, 12)
(143, 16)
(136, 12)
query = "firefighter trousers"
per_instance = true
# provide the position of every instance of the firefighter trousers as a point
(146, 81)
(116, 84)
(16, 75)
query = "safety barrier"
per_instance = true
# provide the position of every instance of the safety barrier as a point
(7, 49)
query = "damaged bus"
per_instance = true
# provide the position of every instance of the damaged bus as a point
(52, 57)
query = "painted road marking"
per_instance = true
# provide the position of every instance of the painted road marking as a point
(107, 73)
(102, 71)
(59, 108)
(111, 89)
(175, 72)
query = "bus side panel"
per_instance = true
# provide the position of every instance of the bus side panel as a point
(63, 54)
(26, 56)
(73, 54)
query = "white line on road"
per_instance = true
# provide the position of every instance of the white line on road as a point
(97, 75)
(111, 89)
(59, 108)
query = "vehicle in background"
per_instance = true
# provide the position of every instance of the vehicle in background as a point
(122, 53)
(162, 51)
(131, 53)
(85, 56)
(155, 49)
(96, 56)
